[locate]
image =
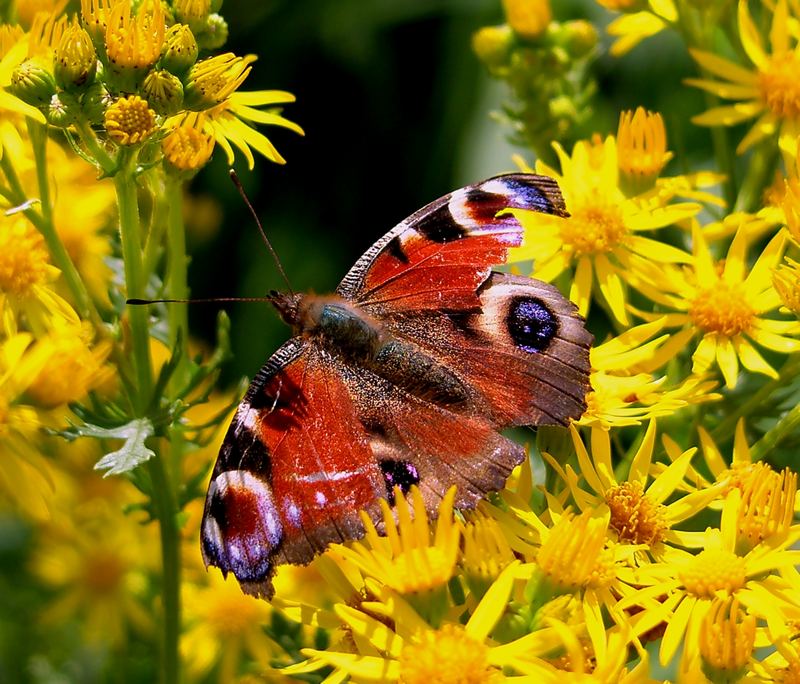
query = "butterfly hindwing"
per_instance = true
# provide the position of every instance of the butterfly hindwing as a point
(293, 471)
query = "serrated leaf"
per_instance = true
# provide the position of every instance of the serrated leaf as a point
(133, 451)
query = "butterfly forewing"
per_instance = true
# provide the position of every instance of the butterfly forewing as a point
(438, 257)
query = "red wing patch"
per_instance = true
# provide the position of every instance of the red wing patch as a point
(439, 256)
(293, 472)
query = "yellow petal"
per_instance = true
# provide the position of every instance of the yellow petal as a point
(727, 361)
(676, 627)
(640, 466)
(750, 37)
(751, 359)
(633, 29)
(611, 287)
(733, 271)
(729, 115)
(580, 292)
(705, 353)
(779, 33)
(729, 91)
(775, 342)
(719, 66)
(765, 126)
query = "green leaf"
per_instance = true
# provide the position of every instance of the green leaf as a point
(133, 451)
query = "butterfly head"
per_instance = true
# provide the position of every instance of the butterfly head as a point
(287, 306)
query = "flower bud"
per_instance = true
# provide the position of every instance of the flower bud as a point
(214, 34)
(493, 44)
(163, 91)
(528, 18)
(130, 120)
(75, 62)
(180, 49)
(96, 100)
(187, 148)
(32, 83)
(578, 38)
(63, 110)
(192, 12)
(211, 81)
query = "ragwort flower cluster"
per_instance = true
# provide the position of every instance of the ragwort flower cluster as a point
(106, 110)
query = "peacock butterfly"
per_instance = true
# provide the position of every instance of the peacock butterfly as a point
(404, 376)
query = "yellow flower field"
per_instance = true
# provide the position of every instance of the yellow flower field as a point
(655, 538)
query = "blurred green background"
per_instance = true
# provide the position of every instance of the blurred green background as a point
(397, 111)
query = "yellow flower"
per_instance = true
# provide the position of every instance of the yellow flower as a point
(486, 551)
(725, 306)
(786, 281)
(26, 277)
(25, 475)
(98, 568)
(228, 124)
(739, 471)
(769, 91)
(130, 120)
(691, 583)
(631, 29)
(393, 643)
(638, 514)
(219, 110)
(603, 660)
(528, 18)
(212, 81)
(134, 40)
(641, 148)
(727, 637)
(221, 626)
(411, 558)
(72, 366)
(13, 51)
(623, 389)
(602, 233)
(187, 148)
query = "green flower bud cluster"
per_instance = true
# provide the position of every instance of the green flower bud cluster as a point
(203, 17)
(548, 78)
(143, 48)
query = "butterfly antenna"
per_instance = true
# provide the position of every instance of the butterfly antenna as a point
(238, 184)
(141, 302)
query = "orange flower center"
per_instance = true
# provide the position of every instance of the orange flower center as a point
(130, 120)
(23, 257)
(444, 656)
(635, 517)
(104, 571)
(779, 86)
(713, 570)
(594, 228)
(722, 309)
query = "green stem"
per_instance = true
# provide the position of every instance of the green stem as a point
(167, 513)
(759, 174)
(43, 221)
(783, 428)
(787, 374)
(135, 278)
(163, 493)
(177, 286)
(698, 32)
(107, 164)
